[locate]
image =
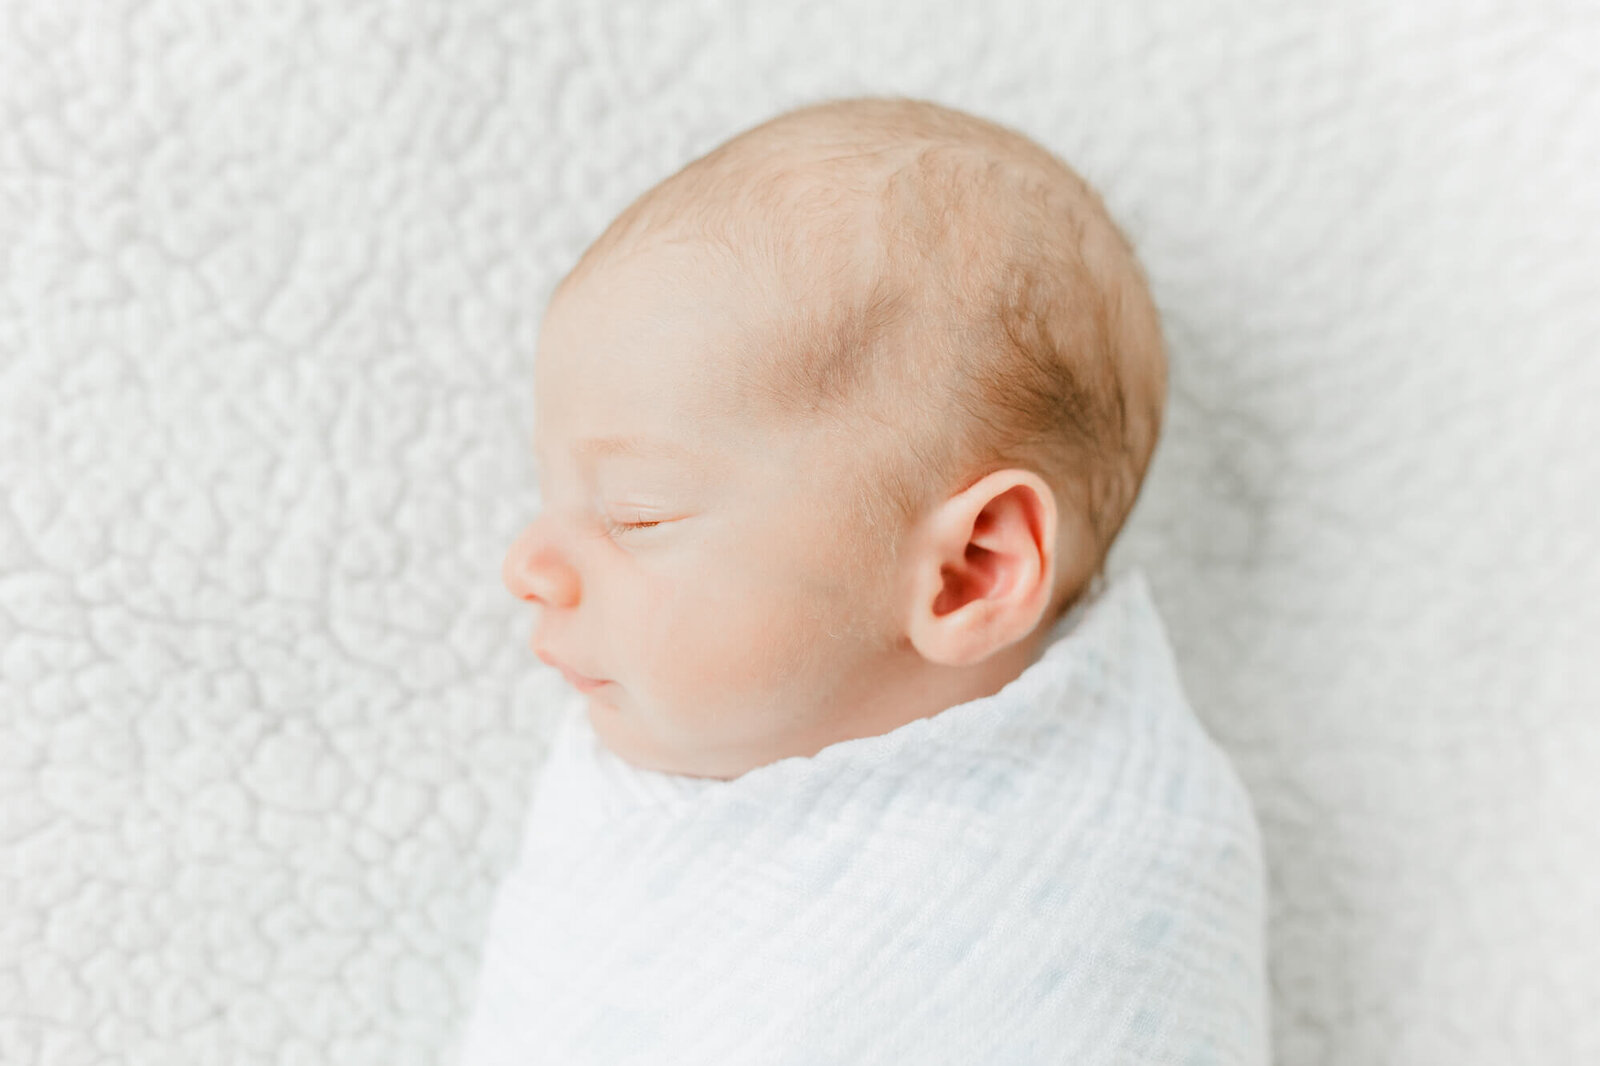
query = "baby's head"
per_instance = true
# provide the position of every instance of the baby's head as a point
(832, 426)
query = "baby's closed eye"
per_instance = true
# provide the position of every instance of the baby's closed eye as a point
(634, 523)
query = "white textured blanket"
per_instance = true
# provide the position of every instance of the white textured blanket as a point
(1067, 871)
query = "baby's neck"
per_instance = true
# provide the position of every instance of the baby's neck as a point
(904, 688)
(922, 689)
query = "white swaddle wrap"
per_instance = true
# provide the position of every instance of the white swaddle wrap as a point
(1067, 871)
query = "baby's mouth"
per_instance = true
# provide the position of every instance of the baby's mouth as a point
(581, 682)
(585, 684)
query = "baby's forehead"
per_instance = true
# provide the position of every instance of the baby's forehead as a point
(663, 329)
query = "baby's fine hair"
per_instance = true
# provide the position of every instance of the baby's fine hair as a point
(953, 295)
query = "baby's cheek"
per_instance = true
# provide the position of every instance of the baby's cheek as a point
(723, 651)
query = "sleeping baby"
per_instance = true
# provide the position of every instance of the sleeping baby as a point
(864, 758)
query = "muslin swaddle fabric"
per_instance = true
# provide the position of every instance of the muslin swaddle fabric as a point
(1067, 871)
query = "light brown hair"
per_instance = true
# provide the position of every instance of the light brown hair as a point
(955, 297)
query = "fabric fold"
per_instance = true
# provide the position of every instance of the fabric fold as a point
(1067, 871)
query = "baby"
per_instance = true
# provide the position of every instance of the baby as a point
(833, 425)
(835, 429)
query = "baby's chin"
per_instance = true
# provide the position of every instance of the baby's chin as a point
(602, 710)
(620, 731)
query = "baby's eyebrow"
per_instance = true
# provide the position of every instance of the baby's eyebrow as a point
(633, 446)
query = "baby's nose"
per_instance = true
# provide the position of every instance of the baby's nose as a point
(534, 570)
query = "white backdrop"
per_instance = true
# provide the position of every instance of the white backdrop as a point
(270, 279)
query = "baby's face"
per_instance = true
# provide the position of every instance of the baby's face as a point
(692, 560)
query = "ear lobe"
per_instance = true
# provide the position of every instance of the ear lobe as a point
(987, 569)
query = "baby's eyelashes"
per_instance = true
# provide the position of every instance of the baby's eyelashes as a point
(616, 528)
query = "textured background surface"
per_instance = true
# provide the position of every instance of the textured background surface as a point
(270, 280)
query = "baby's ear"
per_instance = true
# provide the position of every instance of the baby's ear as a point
(984, 565)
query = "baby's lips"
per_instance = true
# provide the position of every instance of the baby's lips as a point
(584, 684)
(581, 682)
